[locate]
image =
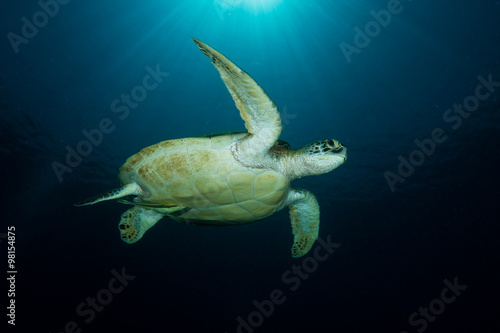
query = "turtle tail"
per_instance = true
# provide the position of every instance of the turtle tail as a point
(129, 189)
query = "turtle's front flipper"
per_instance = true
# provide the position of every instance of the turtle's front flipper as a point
(261, 116)
(129, 189)
(304, 213)
(135, 222)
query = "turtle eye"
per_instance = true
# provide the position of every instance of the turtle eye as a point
(334, 146)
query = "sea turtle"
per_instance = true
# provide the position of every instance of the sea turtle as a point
(226, 179)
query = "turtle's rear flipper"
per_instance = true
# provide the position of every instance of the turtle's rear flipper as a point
(129, 189)
(135, 222)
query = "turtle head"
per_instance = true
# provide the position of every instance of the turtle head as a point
(323, 156)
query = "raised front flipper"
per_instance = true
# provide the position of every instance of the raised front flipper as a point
(261, 116)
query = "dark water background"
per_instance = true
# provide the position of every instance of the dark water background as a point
(397, 247)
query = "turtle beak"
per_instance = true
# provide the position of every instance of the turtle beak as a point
(337, 148)
(340, 150)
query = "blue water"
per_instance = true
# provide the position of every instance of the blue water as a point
(416, 203)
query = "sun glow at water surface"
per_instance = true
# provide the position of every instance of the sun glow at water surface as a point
(253, 6)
